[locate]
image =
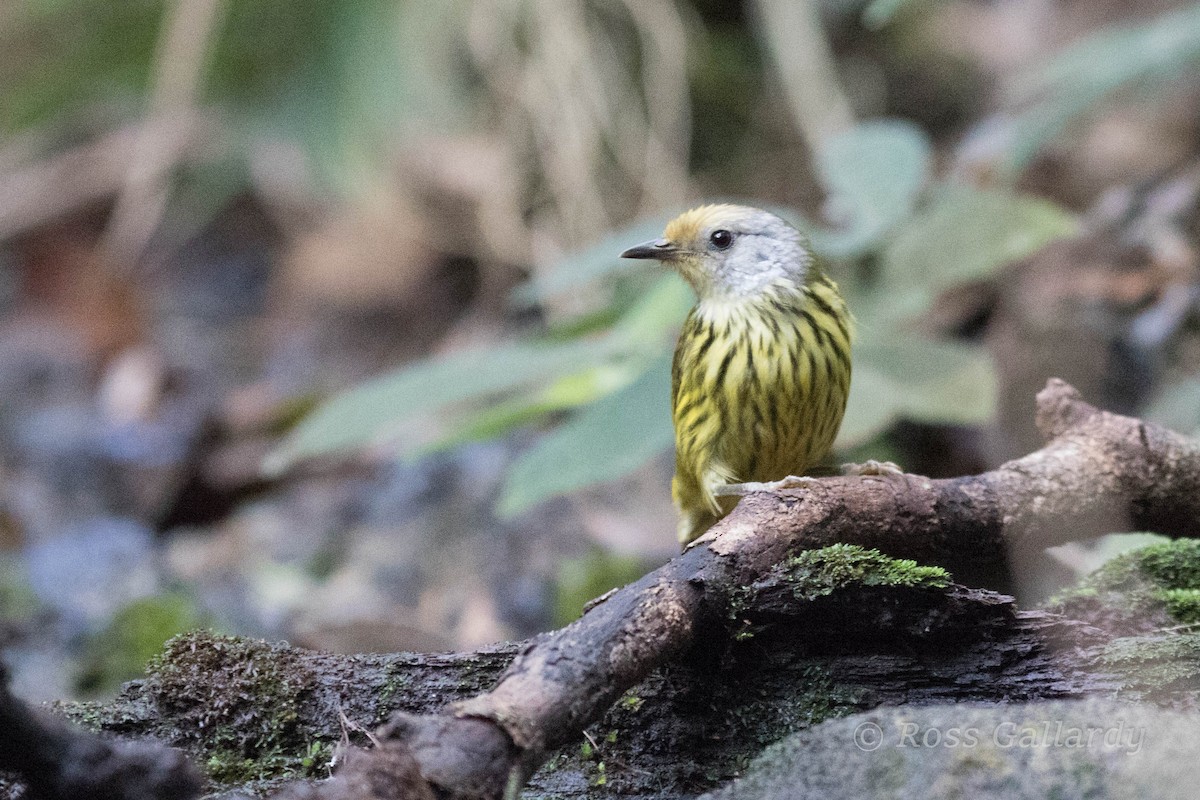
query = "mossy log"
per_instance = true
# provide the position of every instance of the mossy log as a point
(744, 637)
(831, 632)
(255, 714)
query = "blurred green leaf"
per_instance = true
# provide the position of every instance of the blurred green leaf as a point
(1078, 78)
(374, 410)
(880, 12)
(586, 266)
(560, 375)
(655, 319)
(963, 236)
(583, 579)
(609, 438)
(1163, 47)
(567, 392)
(63, 59)
(872, 407)
(918, 379)
(873, 174)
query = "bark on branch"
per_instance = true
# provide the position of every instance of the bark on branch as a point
(1098, 473)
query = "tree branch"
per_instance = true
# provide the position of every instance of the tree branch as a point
(1099, 472)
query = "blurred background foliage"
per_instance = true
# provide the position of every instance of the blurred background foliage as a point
(373, 246)
(920, 240)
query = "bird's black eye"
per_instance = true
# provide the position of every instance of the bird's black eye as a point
(721, 239)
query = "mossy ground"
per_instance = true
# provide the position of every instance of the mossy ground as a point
(1150, 600)
(722, 719)
(244, 709)
(723, 703)
(1140, 591)
(1165, 666)
(234, 705)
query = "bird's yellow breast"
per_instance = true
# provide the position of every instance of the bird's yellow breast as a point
(759, 388)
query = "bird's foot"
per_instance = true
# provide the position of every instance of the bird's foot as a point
(873, 468)
(743, 489)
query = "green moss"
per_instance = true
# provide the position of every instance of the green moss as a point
(754, 722)
(631, 701)
(822, 698)
(821, 572)
(555, 763)
(1174, 565)
(89, 715)
(1149, 591)
(1183, 604)
(240, 699)
(1146, 588)
(816, 573)
(398, 682)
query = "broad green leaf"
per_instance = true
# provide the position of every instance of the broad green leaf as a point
(99, 63)
(1163, 47)
(918, 379)
(872, 407)
(610, 438)
(567, 392)
(1077, 79)
(873, 174)
(371, 412)
(963, 236)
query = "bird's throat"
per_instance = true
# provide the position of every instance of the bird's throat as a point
(723, 308)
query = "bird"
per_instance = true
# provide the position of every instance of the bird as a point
(761, 371)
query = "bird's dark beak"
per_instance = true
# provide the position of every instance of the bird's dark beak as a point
(662, 249)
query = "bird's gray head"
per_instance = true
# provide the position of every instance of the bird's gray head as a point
(730, 251)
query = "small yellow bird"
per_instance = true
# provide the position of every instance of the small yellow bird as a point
(762, 366)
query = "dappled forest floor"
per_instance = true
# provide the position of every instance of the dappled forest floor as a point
(133, 431)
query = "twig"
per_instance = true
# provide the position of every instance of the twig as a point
(188, 32)
(800, 49)
(665, 88)
(35, 194)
